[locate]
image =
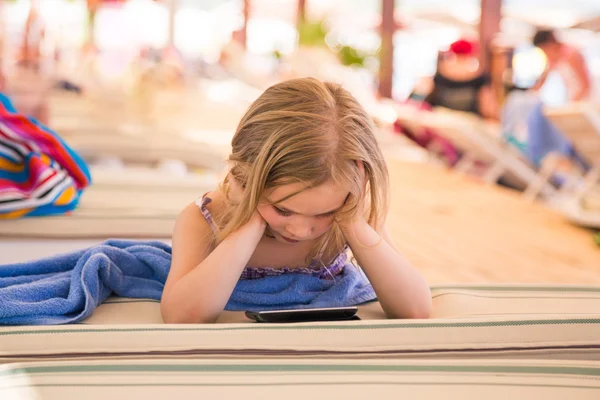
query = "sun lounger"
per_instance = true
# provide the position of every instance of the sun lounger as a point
(580, 123)
(479, 142)
(121, 203)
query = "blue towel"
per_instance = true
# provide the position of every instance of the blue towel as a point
(67, 288)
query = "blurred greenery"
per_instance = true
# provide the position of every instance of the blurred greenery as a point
(312, 33)
(349, 56)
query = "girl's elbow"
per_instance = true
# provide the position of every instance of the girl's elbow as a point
(414, 312)
(422, 309)
(417, 309)
(177, 315)
(421, 312)
(170, 315)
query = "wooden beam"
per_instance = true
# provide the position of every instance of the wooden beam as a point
(172, 4)
(244, 32)
(489, 26)
(300, 12)
(386, 61)
(92, 6)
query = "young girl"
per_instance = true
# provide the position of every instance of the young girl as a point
(307, 181)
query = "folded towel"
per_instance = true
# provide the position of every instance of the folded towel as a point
(39, 173)
(67, 288)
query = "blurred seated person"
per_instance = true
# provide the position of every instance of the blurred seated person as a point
(567, 61)
(543, 137)
(460, 84)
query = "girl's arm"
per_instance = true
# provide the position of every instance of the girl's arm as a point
(201, 279)
(401, 289)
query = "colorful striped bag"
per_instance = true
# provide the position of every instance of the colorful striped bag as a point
(39, 173)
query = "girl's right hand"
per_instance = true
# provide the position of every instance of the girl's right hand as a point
(258, 221)
(253, 230)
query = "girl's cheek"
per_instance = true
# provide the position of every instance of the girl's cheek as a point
(325, 226)
(267, 213)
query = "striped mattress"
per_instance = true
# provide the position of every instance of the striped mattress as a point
(469, 322)
(300, 379)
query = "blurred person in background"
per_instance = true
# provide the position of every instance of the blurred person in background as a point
(567, 61)
(544, 138)
(460, 84)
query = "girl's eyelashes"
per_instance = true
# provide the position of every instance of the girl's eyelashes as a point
(329, 214)
(282, 212)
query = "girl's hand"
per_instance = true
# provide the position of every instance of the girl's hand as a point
(259, 222)
(234, 195)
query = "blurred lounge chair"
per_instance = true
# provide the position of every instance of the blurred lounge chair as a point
(580, 197)
(480, 142)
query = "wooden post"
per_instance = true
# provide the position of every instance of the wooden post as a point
(300, 12)
(386, 62)
(244, 33)
(489, 26)
(172, 11)
(92, 6)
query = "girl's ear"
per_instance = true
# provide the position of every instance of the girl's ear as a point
(235, 190)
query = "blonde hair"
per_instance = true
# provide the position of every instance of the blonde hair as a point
(306, 131)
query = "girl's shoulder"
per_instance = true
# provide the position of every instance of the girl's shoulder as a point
(213, 201)
(211, 204)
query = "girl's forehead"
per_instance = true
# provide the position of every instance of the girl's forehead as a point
(312, 201)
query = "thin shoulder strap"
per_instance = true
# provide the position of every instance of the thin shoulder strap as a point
(202, 203)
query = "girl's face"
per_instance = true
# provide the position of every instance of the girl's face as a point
(305, 216)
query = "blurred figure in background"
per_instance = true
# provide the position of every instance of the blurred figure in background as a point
(544, 138)
(567, 61)
(460, 84)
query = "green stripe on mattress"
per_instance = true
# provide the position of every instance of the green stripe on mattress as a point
(264, 367)
(309, 384)
(522, 288)
(364, 325)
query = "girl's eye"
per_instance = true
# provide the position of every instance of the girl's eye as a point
(282, 213)
(328, 215)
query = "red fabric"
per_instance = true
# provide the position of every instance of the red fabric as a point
(463, 47)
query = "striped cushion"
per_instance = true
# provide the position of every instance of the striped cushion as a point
(301, 379)
(492, 322)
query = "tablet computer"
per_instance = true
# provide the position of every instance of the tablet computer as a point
(305, 315)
